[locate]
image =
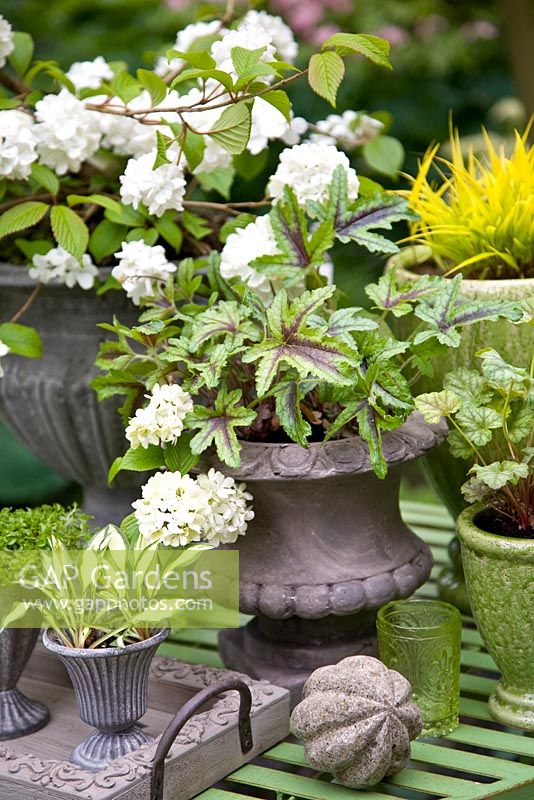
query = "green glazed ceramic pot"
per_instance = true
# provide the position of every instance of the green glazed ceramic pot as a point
(499, 572)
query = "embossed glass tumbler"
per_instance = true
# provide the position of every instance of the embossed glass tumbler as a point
(421, 639)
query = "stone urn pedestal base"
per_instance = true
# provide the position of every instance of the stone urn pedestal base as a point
(19, 716)
(326, 549)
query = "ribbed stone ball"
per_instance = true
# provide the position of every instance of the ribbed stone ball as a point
(356, 720)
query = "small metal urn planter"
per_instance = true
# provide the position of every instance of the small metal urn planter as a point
(111, 688)
(326, 549)
(48, 402)
(19, 716)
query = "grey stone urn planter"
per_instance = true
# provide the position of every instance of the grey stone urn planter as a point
(111, 688)
(19, 716)
(48, 403)
(326, 549)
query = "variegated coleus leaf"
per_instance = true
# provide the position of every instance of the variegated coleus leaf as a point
(228, 322)
(217, 425)
(388, 296)
(356, 220)
(288, 397)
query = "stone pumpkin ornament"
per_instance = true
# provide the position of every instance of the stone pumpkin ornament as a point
(356, 721)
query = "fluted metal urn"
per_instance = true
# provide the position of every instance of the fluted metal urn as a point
(326, 549)
(19, 716)
(48, 402)
(111, 688)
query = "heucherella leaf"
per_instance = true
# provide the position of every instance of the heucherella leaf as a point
(232, 129)
(389, 390)
(297, 247)
(500, 473)
(343, 322)
(370, 432)
(469, 386)
(475, 490)
(217, 425)
(289, 342)
(325, 73)
(227, 319)
(375, 48)
(478, 422)
(436, 405)
(22, 340)
(521, 424)
(22, 216)
(288, 397)
(459, 446)
(387, 296)
(502, 376)
(446, 311)
(353, 220)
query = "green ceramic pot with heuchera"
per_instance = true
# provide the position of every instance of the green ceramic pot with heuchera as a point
(499, 573)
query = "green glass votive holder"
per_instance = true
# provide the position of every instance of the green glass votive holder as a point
(421, 639)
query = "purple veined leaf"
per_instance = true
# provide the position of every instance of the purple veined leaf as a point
(217, 426)
(387, 296)
(289, 227)
(369, 431)
(288, 396)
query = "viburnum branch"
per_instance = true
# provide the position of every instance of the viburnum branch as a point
(29, 302)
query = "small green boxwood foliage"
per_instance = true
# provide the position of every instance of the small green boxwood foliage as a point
(31, 528)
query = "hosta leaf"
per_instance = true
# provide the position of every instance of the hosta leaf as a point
(22, 340)
(478, 422)
(469, 386)
(218, 426)
(325, 73)
(500, 473)
(232, 129)
(70, 231)
(21, 216)
(387, 296)
(288, 397)
(435, 405)
(375, 48)
(501, 375)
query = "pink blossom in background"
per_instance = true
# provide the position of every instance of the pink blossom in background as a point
(394, 34)
(479, 29)
(431, 26)
(177, 5)
(305, 16)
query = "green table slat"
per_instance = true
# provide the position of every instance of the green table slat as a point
(493, 740)
(472, 763)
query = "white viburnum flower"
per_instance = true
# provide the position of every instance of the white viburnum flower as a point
(297, 127)
(308, 168)
(17, 144)
(250, 37)
(214, 156)
(173, 511)
(7, 45)
(90, 74)
(162, 420)
(281, 34)
(243, 246)
(349, 130)
(160, 189)
(141, 269)
(267, 123)
(67, 133)
(4, 350)
(126, 136)
(230, 511)
(60, 266)
(185, 40)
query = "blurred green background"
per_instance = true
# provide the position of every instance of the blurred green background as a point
(471, 60)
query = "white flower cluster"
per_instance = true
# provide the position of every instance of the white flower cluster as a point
(162, 420)
(280, 33)
(141, 269)
(214, 156)
(349, 130)
(67, 133)
(90, 74)
(17, 144)
(126, 136)
(176, 510)
(7, 44)
(308, 168)
(185, 40)
(245, 245)
(160, 189)
(60, 266)
(250, 37)
(4, 350)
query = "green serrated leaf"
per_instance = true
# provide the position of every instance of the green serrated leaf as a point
(155, 85)
(385, 155)
(279, 99)
(169, 230)
(243, 60)
(125, 86)
(194, 147)
(162, 143)
(232, 129)
(45, 177)
(374, 48)
(140, 459)
(326, 71)
(21, 339)
(70, 231)
(22, 216)
(106, 239)
(178, 457)
(219, 179)
(20, 58)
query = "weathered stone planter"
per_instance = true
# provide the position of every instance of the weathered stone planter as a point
(326, 549)
(499, 574)
(111, 688)
(19, 716)
(48, 402)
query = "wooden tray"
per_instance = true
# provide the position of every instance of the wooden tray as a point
(36, 767)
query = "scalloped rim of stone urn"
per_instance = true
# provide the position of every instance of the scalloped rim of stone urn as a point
(276, 461)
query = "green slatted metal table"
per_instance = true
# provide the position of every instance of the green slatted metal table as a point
(480, 759)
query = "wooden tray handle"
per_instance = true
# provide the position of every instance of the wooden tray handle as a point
(184, 715)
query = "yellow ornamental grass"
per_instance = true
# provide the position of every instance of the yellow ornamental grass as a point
(478, 218)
